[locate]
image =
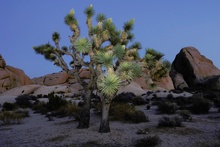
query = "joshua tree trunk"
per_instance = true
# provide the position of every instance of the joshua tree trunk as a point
(85, 112)
(104, 126)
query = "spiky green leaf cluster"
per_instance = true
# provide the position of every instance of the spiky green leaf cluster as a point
(100, 17)
(128, 26)
(105, 58)
(159, 73)
(134, 54)
(136, 45)
(167, 64)
(129, 70)
(56, 36)
(64, 48)
(108, 25)
(119, 51)
(82, 45)
(70, 18)
(109, 85)
(95, 30)
(46, 50)
(89, 11)
(130, 36)
(157, 55)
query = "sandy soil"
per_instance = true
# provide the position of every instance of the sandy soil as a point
(37, 131)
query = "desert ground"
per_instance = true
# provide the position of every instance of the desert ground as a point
(37, 131)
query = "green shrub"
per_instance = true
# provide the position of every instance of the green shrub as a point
(70, 110)
(124, 97)
(138, 117)
(167, 107)
(9, 106)
(150, 141)
(182, 102)
(170, 96)
(40, 107)
(24, 101)
(127, 113)
(10, 117)
(185, 115)
(200, 106)
(55, 102)
(139, 101)
(170, 122)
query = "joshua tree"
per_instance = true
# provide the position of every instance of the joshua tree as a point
(157, 67)
(111, 62)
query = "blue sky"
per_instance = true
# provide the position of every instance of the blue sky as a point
(166, 26)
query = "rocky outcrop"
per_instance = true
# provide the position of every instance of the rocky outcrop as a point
(166, 83)
(52, 79)
(192, 69)
(134, 88)
(11, 77)
(42, 90)
(61, 77)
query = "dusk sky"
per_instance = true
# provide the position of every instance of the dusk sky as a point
(164, 25)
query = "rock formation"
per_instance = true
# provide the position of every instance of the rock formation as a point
(191, 69)
(11, 77)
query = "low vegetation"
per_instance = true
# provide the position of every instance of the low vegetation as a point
(150, 141)
(200, 105)
(166, 107)
(127, 113)
(13, 117)
(170, 122)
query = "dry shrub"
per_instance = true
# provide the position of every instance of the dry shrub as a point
(170, 122)
(127, 113)
(10, 117)
(150, 141)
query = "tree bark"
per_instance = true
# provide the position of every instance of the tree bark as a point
(104, 126)
(85, 112)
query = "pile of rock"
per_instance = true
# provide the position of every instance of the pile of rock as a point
(11, 77)
(190, 69)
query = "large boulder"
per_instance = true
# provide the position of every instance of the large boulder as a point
(134, 88)
(165, 82)
(52, 79)
(194, 68)
(11, 77)
(178, 80)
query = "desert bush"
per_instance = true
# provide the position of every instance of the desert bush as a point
(40, 107)
(170, 122)
(217, 102)
(22, 113)
(124, 97)
(55, 102)
(127, 113)
(167, 107)
(150, 141)
(200, 106)
(24, 101)
(9, 106)
(10, 117)
(139, 101)
(39, 96)
(137, 117)
(70, 110)
(170, 96)
(182, 102)
(185, 114)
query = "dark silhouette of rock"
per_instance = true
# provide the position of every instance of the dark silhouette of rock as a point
(195, 69)
(2, 62)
